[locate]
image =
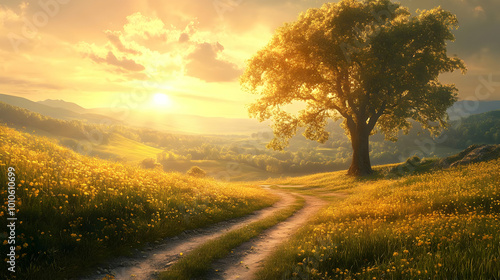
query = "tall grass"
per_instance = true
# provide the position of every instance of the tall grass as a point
(440, 225)
(76, 211)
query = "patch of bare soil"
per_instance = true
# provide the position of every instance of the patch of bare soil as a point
(146, 264)
(246, 259)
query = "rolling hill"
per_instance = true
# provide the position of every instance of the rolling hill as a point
(174, 123)
(109, 142)
(79, 211)
(63, 105)
(62, 113)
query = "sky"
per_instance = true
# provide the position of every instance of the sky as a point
(186, 56)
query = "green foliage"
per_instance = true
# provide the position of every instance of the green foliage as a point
(22, 117)
(369, 63)
(476, 129)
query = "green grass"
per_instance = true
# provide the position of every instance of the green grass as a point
(435, 225)
(76, 212)
(198, 262)
(117, 148)
(125, 149)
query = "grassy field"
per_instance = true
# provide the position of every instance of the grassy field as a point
(127, 150)
(118, 147)
(436, 225)
(75, 211)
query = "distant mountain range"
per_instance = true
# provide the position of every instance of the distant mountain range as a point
(46, 110)
(174, 123)
(64, 111)
(184, 123)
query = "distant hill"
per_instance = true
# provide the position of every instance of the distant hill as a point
(465, 108)
(481, 128)
(54, 112)
(64, 105)
(21, 117)
(58, 113)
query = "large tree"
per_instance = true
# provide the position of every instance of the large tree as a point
(370, 63)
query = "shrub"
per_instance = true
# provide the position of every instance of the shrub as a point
(195, 171)
(149, 163)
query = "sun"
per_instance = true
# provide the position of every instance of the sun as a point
(161, 100)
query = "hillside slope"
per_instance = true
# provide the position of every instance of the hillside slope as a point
(436, 225)
(64, 105)
(77, 211)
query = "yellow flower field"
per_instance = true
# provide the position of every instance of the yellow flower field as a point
(75, 211)
(439, 225)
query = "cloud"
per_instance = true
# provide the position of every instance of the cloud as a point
(7, 15)
(175, 43)
(145, 27)
(166, 51)
(124, 63)
(183, 38)
(143, 42)
(205, 64)
(115, 40)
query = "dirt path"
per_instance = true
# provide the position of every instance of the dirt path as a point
(322, 194)
(248, 257)
(146, 264)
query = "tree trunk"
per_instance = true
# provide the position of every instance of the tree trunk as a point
(360, 165)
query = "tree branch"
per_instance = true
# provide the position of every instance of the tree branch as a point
(374, 118)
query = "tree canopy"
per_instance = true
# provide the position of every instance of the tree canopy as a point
(370, 63)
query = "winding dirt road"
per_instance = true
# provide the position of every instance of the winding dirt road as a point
(249, 256)
(241, 264)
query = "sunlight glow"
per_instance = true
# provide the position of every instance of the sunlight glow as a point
(161, 100)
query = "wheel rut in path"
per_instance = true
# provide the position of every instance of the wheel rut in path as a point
(249, 256)
(146, 264)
